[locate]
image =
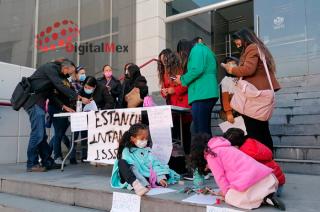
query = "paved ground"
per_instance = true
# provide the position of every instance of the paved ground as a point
(301, 192)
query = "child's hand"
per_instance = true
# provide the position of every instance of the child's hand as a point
(163, 183)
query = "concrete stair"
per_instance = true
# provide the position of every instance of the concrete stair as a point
(295, 125)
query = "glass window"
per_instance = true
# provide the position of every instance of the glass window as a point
(95, 55)
(282, 28)
(179, 6)
(313, 31)
(16, 32)
(95, 18)
(57, 27)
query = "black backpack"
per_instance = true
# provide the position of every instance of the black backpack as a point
(21, 93)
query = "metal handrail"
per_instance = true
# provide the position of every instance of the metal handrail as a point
(5, 104)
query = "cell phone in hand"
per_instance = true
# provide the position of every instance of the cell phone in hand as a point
(173, 77)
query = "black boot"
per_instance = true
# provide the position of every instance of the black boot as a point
(273, 200)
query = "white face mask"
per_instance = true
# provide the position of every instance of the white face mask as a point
(141, 143)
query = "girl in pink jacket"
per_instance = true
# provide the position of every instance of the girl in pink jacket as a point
(244, 182)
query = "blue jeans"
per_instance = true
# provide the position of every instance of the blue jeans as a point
(201, 115)
(38, 145)
(60, 126)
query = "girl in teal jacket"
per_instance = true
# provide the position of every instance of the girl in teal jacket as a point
(136, 167)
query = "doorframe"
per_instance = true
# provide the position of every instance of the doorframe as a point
(204, 9)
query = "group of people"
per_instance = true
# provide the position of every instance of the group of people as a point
(243, 166)
(57, 87)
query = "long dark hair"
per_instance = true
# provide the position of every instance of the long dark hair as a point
(184, 48)
(198, 148)
(248, 37)
(126, 137)
(171, 64)
(235, 136)
(91, 81)
(126, 67)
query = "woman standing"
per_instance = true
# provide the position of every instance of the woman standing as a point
(251, 69)
(199, 63)
(110, 83)
(177, 95)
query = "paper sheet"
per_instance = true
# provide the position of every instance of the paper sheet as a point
(156, 191)
(160, 116)
(238, 123)
(92, 106)
(123, 202)
(201, 199)
(78, 122)
(161, 143)
(220, 209)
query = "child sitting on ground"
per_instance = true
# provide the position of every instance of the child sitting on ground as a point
(257, 151)
(244, 182)
(136, 167)
(227, 87)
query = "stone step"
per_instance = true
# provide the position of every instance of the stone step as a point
(311, 153)
(304, 140)
(295, 129)
(13, 203)
(299, 166)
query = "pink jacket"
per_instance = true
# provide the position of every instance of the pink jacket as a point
(232, 168)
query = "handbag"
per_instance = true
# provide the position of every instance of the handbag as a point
(133, 98)
(148, 102)
(250, 101)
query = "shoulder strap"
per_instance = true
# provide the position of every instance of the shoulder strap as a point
(263, 59)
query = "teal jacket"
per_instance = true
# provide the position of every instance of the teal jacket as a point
(201, 75)
(142, 159)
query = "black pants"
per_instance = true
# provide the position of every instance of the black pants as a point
(125, 172)
(258, 130)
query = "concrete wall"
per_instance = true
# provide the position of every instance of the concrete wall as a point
(150, 35)
(14, 126)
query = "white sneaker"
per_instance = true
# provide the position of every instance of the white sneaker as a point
(58, 161)
(207, 177)
(139, 189)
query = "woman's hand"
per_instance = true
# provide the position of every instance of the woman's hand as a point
(170, 90)
(230, 117)
(177, 80)
(163, 183)
(68, 109)
(164, 91)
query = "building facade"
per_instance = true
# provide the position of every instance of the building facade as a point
(97, 32)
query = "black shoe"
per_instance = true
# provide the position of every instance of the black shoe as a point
(273, 200)
(73, 161)
(54, 166)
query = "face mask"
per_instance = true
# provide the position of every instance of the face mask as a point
(82, 77)
(141, 143)
(108, 74)
(88, 91)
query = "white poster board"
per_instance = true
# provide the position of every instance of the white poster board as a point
(105, 129)
(123, 202)
(160, 123)
(78, 121)
(220, 209)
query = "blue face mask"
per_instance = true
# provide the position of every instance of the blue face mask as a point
(88, 91)
(82, 77)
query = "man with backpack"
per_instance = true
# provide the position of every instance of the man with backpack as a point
(43, 82)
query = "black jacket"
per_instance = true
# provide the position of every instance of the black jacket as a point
(140, 82)
(43, 82)
(116, 89)
(101, 96)
(58, 99)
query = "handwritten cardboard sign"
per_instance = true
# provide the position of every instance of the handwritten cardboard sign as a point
(105, 129)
